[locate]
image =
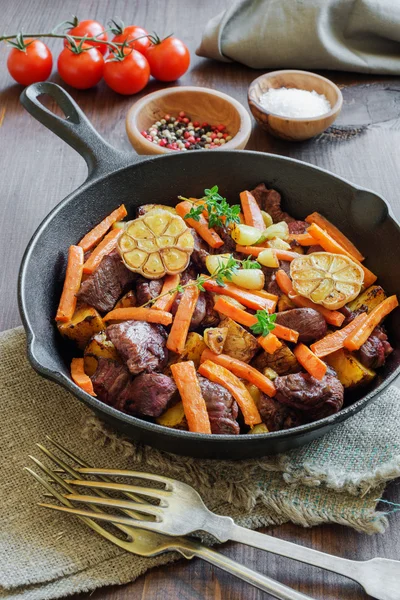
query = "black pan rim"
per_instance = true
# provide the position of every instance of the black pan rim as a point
(99, 406)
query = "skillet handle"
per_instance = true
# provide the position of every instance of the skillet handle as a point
(76, 129)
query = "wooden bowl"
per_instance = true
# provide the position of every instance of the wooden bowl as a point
(201, 104)
(291, 128)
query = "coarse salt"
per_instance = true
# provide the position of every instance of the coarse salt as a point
(291, 102)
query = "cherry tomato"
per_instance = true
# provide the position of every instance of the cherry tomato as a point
(83, 70)
(169, 59)
(131, 33)
(91, 29)
(32, 64)
(129, 75)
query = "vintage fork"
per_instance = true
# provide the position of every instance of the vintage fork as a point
(146, 542)
(181, 511)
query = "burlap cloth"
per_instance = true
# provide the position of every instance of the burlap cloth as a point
(44, 555)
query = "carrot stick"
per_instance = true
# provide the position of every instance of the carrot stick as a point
(241, 369)
(251, 211)
(270, 343)
(333, 317)
(165, 303)
(180, 327)
(194, 405)
(330, 245)
(79, 376)
(304, 239)
(244, 296)
(255, 251)
(229, 381)
(72, 282)
(94, 236)
(334, 341)
(360, 335)
(335, 233)
(138, 313)
(264, 294)
(244, 318)
(311, 363)
(106, 246)
(209, 235)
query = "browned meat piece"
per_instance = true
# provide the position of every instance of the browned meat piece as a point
(310, 324)
(109, 380)
(200, 309)
(200, 252)
(108, 282)
(314, 248)
(211, 318)
(351, 314)
(229, 244)
(374, 351)
(283, 361)
(147, 395)
(147, 289)
(270, 201)
(277, 416)
(272, 287)
(296, 227)
(222, 408)
(317, 398)
(140, 344)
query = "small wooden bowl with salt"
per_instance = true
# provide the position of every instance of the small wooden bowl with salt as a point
(294, 105)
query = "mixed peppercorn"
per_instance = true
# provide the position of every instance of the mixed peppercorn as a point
(181, 133)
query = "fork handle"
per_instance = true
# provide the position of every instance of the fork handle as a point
(342, 566)
(262, 582)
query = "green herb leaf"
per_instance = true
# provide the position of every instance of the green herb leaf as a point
(265, 323)
(195, 213)
(250, 264)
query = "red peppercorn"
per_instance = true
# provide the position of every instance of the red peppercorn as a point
(148, 137)
(196, 123)
(182, 114)
(225, 135)
(186, 120)
(187, 145)
(143, 133)
(186, 135)
(205, 124)
(213, 136)
(221, 127)
(191, 139)
(162, 142)
(167, 117)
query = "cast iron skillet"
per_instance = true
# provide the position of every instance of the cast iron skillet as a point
(116, 177)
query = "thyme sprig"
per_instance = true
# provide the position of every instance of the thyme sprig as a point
(220, 213)
(265, 323)
(226, 269)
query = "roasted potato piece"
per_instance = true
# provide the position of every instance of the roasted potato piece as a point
(214, 338)
(127, 301)
(193, 350)
(239, 343)
(260, 428)
(270, 373)
(349, 370)
(98, 347)
(254, 392)
(370, 298)
(145, 208)
(285, 303)
(283, 361)
(173, 417)
(83, 325)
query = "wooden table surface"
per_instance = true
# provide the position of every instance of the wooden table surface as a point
(37, 170)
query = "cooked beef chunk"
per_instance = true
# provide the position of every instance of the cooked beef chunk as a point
(222, 408)
(277, 416)
(316, 397)
(109, 380)
(314, 248)
(374, 351)
(108, 282)
(211, 318)
(140, 344)
(229, 244)
(147, 289)
(310, 324)
(296, 227)
(270, 201)
(200, 251)
(272, 287)
(200, 309)
(282, 361)
(148, 394)
(351, 314)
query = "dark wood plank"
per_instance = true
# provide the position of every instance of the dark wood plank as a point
(38, 170)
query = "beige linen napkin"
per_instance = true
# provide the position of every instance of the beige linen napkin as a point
(46, 555)
(347, 35)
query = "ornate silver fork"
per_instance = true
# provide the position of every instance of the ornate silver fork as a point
(181, 511)
(137, 540)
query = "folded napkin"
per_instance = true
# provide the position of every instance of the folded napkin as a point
(46, 555)
(346, 35)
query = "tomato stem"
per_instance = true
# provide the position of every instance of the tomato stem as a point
(5, 38)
